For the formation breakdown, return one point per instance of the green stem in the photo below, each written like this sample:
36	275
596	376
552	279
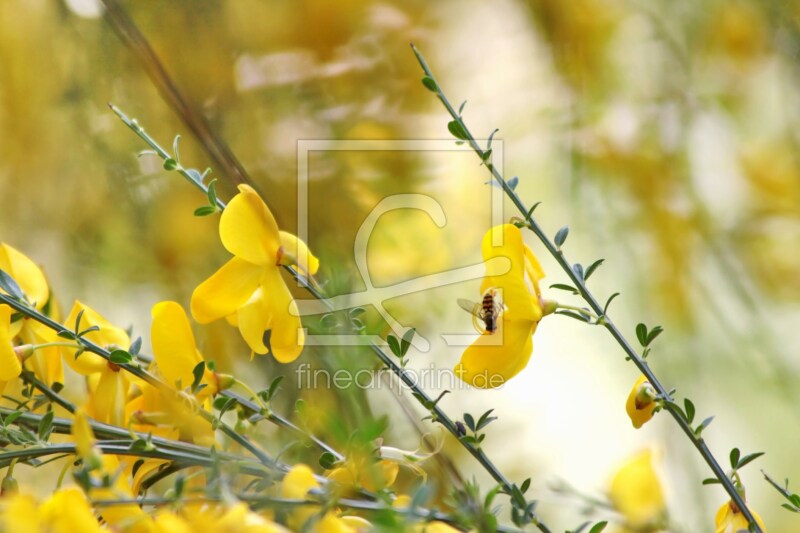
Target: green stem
315	290
590	299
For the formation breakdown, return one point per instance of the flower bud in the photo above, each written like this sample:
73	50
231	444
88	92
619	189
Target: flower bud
9	486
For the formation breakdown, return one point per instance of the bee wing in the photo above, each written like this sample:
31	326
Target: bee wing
469	306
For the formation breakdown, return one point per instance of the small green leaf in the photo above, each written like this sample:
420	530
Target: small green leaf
327	461
561	236
689	410
198	372
734	457
170	164
513	182
749	458
194	174
461	107
429	84
405	342
212	192
10	286
469	421
491	138
394	345
608	302
531	210
205	210
120	357
273	387
564	287
45	425
641	333
525	486
703	425
591	268
486	155
711	481
357	311
457	130
651	336
577	268
571	314
136	346
175	148
598	527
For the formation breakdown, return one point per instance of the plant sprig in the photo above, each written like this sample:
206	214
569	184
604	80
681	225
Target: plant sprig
555	248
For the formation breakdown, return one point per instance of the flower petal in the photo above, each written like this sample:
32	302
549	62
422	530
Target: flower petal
107	336
225	291
10	367
636	492
638	415
107	400
248	229
26	273
495	358
253	319
287	337
173	344
296	252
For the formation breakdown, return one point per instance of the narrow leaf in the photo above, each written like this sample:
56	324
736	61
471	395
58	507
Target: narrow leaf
749	458
608	302
10	286
641	333
429	84
455	128
561	236
598	527
734	457
689	409
394	345
120	357
590	270
175	148
204	211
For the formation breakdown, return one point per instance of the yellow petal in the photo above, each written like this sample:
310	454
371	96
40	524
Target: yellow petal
82	434
286	337
495	358
10	366
109	397
295	486
26	273
505	241
296	252
729	521
173	344
253	319
67	510
248	230
225	291
20	513
643	413
636	492
107	336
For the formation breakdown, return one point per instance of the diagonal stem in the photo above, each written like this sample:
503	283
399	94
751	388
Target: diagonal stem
697	441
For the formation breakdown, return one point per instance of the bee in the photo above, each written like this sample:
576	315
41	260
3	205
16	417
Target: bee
487	311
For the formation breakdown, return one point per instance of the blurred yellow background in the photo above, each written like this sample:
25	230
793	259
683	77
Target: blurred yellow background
664	134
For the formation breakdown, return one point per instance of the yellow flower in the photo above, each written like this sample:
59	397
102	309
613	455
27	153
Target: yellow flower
403	501
249	289
640	403
296	485
365	473
10	366
495	357
175	350
65	511
103	467
45	362
28	276
108	385
730	519
637	494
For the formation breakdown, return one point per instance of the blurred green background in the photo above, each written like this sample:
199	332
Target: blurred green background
663	134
